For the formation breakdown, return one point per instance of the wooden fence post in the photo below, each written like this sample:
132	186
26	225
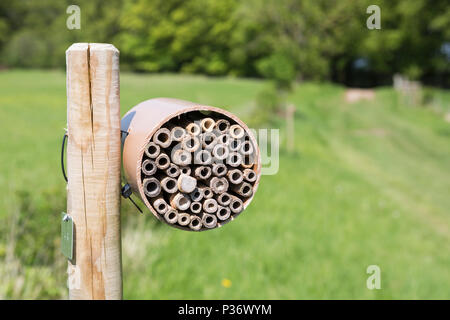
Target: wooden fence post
93	170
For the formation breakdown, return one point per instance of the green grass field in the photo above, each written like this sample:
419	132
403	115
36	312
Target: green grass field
368	184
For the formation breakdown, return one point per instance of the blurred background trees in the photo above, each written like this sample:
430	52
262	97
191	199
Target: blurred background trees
283	40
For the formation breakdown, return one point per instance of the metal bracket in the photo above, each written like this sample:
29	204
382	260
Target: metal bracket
126	193
67	235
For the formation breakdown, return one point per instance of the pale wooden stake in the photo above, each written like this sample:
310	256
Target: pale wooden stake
290	131
93	170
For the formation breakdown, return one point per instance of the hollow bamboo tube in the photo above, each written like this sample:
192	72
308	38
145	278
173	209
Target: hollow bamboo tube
152	187
195	223
149	167
160	205
246	148
162	137
236	205
196	194
202	172
235	176
171	216
207	192
244	189
207	124
224	199
93	170
209	220
210	205
208	140
217	185
223	213
185	170
177	133
202	157
220	152
236	131
180	201
181	157
184	219
193	129
234	159
250	175
235	145
168	184
173	171
152	150
190	143
222	125
196	207
219	169
162	161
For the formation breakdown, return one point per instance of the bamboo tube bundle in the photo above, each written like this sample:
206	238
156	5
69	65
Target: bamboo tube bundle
195	167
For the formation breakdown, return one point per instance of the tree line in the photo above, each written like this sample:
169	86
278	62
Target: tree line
284	40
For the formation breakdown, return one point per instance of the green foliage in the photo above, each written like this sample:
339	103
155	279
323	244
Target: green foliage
26	50
282	40
31	217
268	104
188	36
411	37
278	68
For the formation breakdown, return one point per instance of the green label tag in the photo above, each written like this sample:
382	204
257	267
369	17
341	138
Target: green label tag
67	235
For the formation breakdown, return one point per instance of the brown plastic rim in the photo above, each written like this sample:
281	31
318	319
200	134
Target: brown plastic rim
144	119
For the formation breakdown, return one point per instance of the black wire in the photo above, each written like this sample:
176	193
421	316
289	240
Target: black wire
135	204
62	156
